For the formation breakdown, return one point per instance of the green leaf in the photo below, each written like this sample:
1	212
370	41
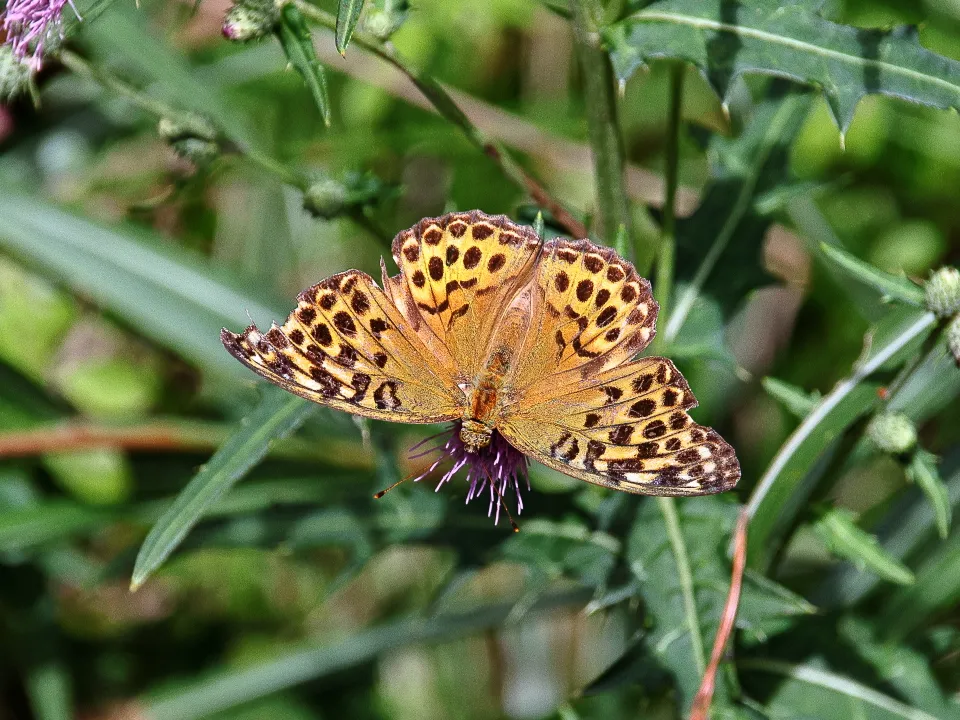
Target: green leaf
839	685
677	552
923	471
226	689
297	44
744	167
277	415
783	488
552	549
906	531
25	527
931	386
796	400
348	13
838	530
166	293
767	608
786	40
936	589
891	286
903	668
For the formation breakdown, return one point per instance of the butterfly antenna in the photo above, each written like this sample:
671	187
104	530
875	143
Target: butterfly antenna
398	482
503	504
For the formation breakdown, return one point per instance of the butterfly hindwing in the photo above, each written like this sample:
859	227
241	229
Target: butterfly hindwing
458	274
626	428
592	311
345	346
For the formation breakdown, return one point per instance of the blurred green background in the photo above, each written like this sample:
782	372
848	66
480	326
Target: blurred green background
298	596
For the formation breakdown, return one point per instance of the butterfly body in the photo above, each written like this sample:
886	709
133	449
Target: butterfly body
488	326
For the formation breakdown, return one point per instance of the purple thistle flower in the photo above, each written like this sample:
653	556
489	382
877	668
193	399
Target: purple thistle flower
29	25
497	468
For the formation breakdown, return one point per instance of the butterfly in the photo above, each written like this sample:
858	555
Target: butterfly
529	347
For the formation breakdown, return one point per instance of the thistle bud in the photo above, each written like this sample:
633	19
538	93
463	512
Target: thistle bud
325	198
893	433
15	74
250	20
385	18
191	136
943	292
953	339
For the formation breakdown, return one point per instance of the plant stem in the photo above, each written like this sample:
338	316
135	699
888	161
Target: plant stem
668	236
449	109
668	508
613	206
161	109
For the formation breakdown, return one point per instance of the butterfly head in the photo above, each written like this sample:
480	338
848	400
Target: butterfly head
475	435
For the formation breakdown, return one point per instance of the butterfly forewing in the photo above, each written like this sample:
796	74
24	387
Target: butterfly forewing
346	346
626	428
458	274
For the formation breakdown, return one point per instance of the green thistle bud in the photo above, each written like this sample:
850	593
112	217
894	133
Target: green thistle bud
326	198
894	433
383	22
953	339
943	292
250	20
192	137
15	75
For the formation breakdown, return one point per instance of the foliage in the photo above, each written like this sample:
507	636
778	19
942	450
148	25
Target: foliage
168	183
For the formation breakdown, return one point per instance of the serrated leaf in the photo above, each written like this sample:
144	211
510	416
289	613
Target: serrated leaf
766	607
786	483
796	400
725	227
348	13
668	549
297	44
890	285
837	529
923	471
552	549
788	40
909	527
278	414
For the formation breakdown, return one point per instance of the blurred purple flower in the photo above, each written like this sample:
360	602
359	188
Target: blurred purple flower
496	468
29	24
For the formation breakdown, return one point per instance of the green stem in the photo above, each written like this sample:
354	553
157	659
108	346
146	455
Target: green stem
448	108
613	206
668	238
668	508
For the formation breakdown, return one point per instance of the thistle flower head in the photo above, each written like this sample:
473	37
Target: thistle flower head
495	469
31	25
15	74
